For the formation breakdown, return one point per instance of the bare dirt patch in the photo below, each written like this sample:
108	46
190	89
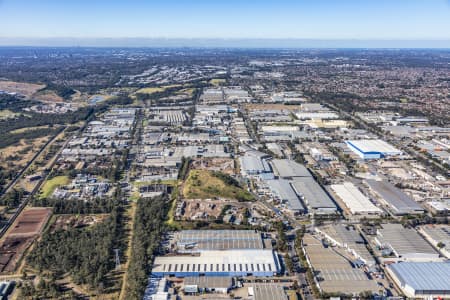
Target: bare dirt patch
27	227
23	88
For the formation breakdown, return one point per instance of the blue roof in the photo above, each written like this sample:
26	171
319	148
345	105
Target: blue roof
423	275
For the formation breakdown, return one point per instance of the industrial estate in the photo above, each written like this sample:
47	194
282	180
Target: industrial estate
224	174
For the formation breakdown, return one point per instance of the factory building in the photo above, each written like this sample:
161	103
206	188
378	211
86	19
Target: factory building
235	263
372	149
438	236
422	280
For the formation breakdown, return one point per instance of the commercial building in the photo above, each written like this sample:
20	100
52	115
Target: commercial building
356	202
314	197
372	149
423	280
219	263
405	243
397	202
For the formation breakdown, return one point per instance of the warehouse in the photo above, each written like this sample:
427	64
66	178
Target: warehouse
397	201
333	272
372	149
312	194
354	200
253	165
438	236
349	238
405	243
285	168
282	190
425	280
202	240
219	263
203	284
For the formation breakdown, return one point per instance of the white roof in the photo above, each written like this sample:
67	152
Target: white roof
375	145
259	260
354	199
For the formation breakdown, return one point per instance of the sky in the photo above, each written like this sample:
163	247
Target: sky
227	19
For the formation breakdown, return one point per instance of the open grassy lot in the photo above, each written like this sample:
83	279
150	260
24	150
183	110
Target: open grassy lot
217	81
51	184
152	90
201	184
6	114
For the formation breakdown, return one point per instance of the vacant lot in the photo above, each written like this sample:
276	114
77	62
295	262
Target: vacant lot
26	89
202	184
48	96
224	165
27	227
50	185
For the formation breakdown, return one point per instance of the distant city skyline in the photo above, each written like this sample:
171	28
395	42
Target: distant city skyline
25	22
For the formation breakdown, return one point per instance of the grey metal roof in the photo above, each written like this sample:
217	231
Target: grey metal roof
423	276
285	192
398	200
220	239
313	194
289	168
404	241
209	281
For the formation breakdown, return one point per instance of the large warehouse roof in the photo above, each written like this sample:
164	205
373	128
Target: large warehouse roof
423	277
253	165
313	194
405	242
285	192
377	146
399	202
356	202
219	239
219	263
289	168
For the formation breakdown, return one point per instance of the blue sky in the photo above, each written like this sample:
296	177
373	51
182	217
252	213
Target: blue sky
315	19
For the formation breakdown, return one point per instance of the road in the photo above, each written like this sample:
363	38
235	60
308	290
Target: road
27	198
24	169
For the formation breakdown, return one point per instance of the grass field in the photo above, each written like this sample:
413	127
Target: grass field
50	185
26	89
217	81
6	114
202	184
152	90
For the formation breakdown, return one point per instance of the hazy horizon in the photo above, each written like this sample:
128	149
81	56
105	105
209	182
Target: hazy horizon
292	43
295	23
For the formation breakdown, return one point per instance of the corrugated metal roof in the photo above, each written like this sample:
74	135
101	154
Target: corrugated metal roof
398	200
314	195
427	276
